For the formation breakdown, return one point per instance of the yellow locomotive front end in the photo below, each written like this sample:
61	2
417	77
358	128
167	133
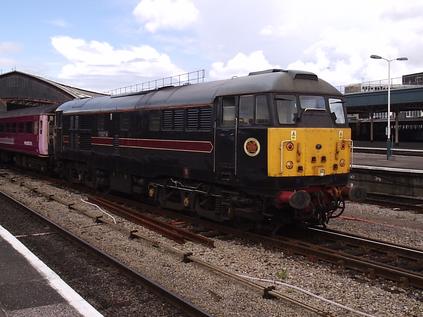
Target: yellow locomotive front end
295	152
310	157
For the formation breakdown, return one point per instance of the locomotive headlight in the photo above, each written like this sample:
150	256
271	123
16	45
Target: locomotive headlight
289	165
343	145
342	163
290	146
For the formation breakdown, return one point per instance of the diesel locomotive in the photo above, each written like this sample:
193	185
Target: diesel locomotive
273	146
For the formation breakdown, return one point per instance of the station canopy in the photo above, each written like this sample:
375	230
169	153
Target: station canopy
19	90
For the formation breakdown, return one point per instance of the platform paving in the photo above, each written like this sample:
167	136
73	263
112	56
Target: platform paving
27	290
411	163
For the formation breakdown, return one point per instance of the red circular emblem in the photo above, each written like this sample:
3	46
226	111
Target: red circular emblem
251	147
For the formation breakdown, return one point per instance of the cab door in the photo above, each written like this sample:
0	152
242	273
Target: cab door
226	139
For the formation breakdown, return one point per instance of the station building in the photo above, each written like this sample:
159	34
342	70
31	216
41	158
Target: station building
20	90
367	105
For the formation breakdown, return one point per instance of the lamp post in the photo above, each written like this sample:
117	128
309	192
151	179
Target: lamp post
388	140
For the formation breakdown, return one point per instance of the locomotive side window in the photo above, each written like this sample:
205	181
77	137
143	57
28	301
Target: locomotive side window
262	110
336	107
286	107
154	121
124	121
246	110
228	111
100	118
312	102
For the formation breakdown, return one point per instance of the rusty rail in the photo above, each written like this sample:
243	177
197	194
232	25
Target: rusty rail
175	233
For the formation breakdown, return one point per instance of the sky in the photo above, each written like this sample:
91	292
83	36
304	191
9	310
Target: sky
102	45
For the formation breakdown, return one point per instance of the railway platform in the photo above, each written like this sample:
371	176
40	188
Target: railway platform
29	288
402	175
398	163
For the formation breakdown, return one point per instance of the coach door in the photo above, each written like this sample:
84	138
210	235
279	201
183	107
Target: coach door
225	142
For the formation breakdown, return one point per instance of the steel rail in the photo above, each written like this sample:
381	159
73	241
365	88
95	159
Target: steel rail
371	243
159	226
372	268
187	257
186	306
312	250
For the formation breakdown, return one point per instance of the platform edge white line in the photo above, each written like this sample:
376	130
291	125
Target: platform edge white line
388	169
67	292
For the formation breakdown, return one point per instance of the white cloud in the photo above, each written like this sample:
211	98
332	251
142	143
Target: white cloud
96	58
166	14
240	65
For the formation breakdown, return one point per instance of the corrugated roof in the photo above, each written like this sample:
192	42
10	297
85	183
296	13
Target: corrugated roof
72	91
30	111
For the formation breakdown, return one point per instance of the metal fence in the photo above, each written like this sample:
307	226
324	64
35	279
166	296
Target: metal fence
194	77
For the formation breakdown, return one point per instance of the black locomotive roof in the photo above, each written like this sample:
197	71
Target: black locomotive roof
29	111
284	81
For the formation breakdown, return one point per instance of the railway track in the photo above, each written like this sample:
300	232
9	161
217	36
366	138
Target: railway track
374	258
406	202
186	257
179	304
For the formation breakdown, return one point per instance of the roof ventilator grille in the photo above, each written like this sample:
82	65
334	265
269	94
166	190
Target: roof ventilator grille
306	76
267	71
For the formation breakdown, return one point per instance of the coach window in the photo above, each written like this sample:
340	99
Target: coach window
336	107
28	127
262	110
13	127
228	112
286	107
246	110
35	126
21	127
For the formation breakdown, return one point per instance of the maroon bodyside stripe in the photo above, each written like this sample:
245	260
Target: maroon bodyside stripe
102	141
157	144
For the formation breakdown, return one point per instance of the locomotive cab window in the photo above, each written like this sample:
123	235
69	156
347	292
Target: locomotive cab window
286	108
262	110
336	107
246	110
253	110
228	111
312	102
